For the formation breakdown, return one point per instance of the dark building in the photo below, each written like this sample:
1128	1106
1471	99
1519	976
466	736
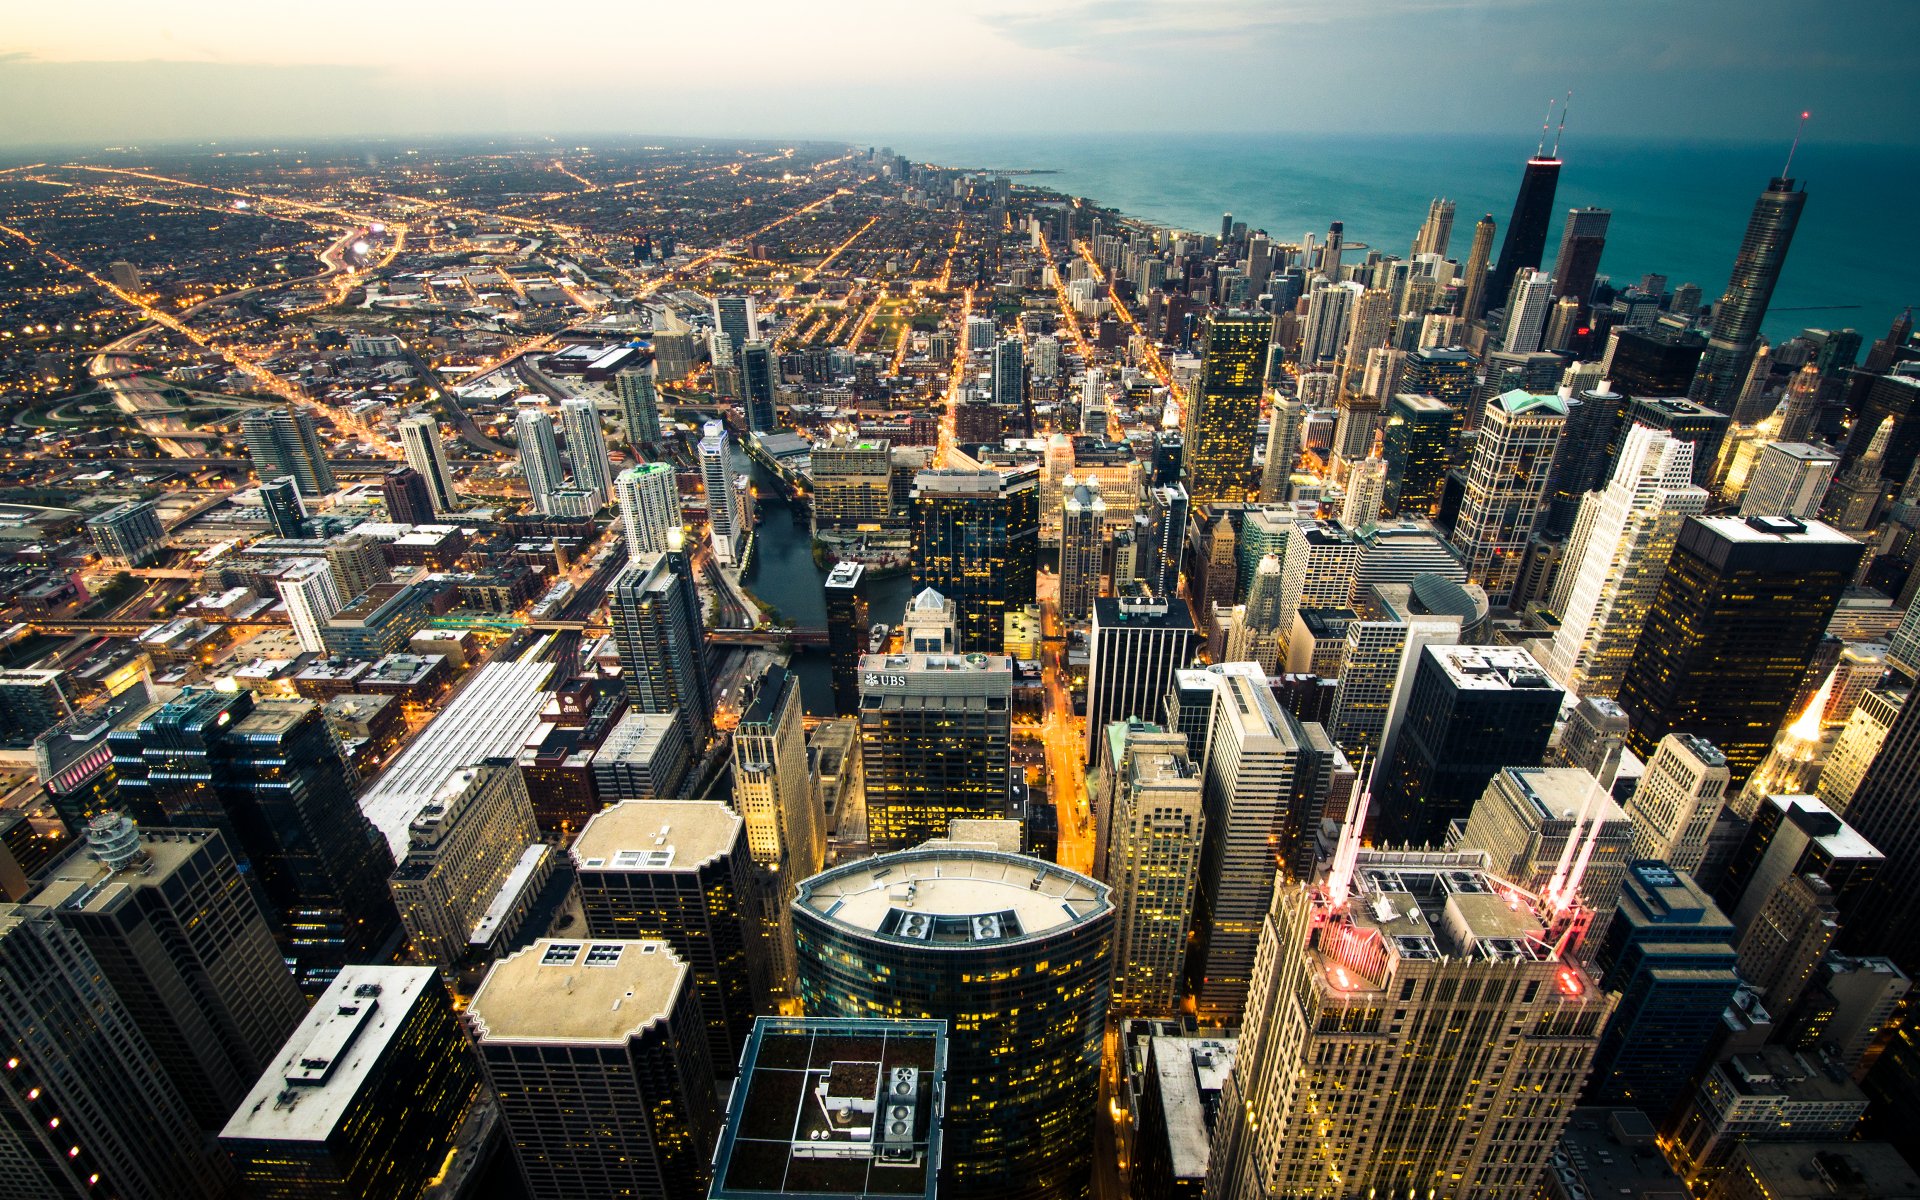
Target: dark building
1668	954
1138	642
1655	361
1888	398
1224	415
1471	711
976	535
757	374
286	515
1526	238
409	502
1685	420
1168	454
1883	811
1743	308
1593	421
847	629
1727	641
1444	373
1582	240
1168	510
270	776
655	614
1418	449
284	442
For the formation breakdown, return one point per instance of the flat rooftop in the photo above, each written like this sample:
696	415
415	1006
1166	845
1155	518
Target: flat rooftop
834	1108
600	992
309	1085
656	835
1185	1068
82	883
986	896
1490	668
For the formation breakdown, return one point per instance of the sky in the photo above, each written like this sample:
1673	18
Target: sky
120	72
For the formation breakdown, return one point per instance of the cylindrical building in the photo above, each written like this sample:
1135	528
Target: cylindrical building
1011	951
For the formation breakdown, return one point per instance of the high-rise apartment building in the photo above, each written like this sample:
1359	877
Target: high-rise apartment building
1678	802
736	317
461	849
759	372
286	515
1437	230
1731	632
408	499
420	441
311	595
128	534
358	564
540	462
1136	645
639	403
679	871
367	1098
1532	298
587	448
1743	308
650	516
1153	863
936	730
1016	954
592	1050
1507	487
1616	560
728	521
1083	545
1473	300
283	442
1168	506
655	613
1225	411
975	538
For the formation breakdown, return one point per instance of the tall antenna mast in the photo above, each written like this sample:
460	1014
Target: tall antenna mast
1540	151
1786	172
1563	125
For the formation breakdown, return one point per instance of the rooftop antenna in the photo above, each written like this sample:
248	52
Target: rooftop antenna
1786	172
1563	125
1347	851
1540	151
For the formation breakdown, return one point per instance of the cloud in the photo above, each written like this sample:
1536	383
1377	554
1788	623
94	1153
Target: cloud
1097	27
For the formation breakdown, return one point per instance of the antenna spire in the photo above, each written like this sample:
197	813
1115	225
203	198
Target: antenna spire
1786	172
1563	124
1540	151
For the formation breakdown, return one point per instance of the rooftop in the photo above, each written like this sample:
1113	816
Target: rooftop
1613	1152
1186	1068
656	835
83	883
600	992
1490	668
989	896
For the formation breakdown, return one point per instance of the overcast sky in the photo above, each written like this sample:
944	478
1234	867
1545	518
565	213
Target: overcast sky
110	72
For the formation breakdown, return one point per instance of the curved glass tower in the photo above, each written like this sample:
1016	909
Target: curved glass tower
1013	953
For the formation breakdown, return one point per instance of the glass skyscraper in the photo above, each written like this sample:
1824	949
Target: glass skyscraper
1224	414
975	537
1737	318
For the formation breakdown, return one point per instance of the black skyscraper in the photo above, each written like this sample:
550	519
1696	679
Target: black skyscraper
1526	239
1737	318
408	500
846	632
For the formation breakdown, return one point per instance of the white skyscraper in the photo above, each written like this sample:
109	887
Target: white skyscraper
420	440
720	474
539	457
1366	492
1789	479
1527	316
587	447
1678	801
1616	559
1329	313
311	597
649	507
1283	448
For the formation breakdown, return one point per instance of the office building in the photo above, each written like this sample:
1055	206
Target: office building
32	701
1437	230
1789	841
1743	308
1423	953
852	483
587	448
1225	411
408	499
848	623
1268	778
1526	239
366	1099
1532	821
655	614
1668	955
89	1108
1168	505
758	375
1418	447
728	520
182	941
379	621
1741	1102
1082	546
835	1108
1858	746
1174	1109
284	442
540	460
773	792
650	516
1471	710
1376	671
1789	479
286	515
1479	255
1582	240
975	537
1690	422
1609	1152
461	848
936	730
1506	487
311	596
1678	803
1136	645
679	871
644	756
420	441
1009	374
1532	298
1285	430
1366	494
1152	852
1731	632
1015	954
1616	559
127	534
736	317
1582	466
269	775
592	1050
1815	1170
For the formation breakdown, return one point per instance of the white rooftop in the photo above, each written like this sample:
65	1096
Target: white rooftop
955	882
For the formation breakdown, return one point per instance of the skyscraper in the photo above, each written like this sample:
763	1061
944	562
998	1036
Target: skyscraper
976	534
1437	230
758	370
1418	450
1731	632
1532	296
1016	954
270	776
1743	308
1329	316
286	515
283	442
308	590
1474	299
1678	802
408	498
1168	507
1153	862
358	563
655	613
786	832
89	1108
1582	239
639	404
1526	238
587	448
461	851
539	458
1789	479
735	317
1284	434
1225	410
129	534
594	1055
936	729
1616	559
650	516
847	630
1136	645
1506	487
727	519
1366	494
420	440
1009	374
1082	546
